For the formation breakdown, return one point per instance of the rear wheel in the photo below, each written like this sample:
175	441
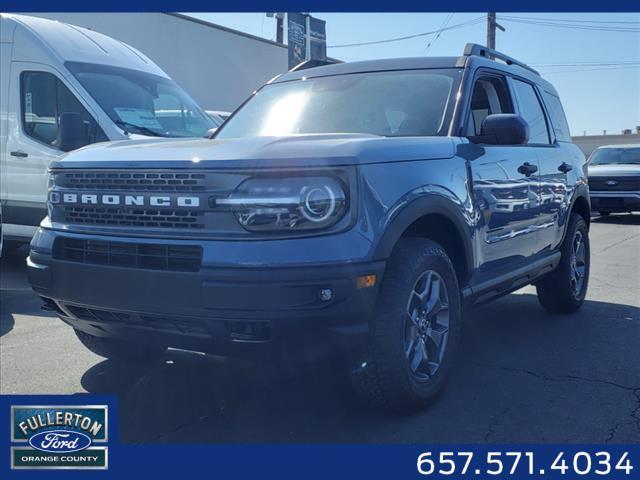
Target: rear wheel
119	350
564	290
415	331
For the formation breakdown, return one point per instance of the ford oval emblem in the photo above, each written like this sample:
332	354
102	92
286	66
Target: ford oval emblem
612	183
60	441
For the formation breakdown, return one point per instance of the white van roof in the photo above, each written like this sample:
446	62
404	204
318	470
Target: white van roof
44	38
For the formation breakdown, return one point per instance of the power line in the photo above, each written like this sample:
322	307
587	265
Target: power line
586	64
444	24
571	20
408	37
559	24
594	69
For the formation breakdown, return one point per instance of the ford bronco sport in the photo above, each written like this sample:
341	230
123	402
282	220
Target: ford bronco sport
367	203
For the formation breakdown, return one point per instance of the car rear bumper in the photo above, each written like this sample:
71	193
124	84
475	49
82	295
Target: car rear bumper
224	310
612	201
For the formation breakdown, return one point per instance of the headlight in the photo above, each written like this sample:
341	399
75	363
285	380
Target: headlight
295	203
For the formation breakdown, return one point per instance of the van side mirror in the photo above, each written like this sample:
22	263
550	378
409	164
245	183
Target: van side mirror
503	129
72	132
211	132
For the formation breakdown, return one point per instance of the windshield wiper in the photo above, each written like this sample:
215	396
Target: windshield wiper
126	126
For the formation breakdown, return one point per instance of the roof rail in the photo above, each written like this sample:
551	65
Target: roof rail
314	63
482	51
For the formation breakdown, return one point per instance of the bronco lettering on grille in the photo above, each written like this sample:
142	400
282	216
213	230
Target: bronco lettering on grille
128	200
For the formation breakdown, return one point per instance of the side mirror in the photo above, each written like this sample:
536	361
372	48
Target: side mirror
211	132
72	132
504	129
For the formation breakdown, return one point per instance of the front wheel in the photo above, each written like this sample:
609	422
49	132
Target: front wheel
415	331
564	290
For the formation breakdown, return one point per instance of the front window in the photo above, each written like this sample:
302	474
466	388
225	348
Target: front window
398	103
143	103
615	156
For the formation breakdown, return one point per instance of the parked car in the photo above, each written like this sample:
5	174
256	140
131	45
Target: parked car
63	87
218	116
355	203
614	179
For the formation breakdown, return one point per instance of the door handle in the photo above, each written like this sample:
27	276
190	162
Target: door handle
527	169
19	154
565	167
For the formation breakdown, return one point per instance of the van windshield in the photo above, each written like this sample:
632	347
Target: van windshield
140	102
391	104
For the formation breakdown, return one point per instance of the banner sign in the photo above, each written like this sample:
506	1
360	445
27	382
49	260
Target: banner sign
297	38
307	38
318	39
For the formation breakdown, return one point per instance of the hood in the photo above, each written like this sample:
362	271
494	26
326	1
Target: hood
258	152
613	170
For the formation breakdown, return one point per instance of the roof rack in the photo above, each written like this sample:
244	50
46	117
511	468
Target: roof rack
473	49
314	63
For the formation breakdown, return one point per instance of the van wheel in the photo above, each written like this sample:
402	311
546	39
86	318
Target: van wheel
415	331
119	350
564	289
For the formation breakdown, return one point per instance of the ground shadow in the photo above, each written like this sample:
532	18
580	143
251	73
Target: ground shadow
509	349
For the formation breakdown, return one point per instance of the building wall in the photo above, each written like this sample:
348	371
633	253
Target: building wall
217	66
589	143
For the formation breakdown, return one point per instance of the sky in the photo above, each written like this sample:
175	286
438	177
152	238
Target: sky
604	96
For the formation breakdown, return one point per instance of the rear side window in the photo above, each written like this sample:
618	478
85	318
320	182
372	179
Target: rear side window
558	119
532	112
44	99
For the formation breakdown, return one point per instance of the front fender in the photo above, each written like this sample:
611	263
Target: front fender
409	210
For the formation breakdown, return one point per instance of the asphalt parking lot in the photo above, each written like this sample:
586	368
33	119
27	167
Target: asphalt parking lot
523	375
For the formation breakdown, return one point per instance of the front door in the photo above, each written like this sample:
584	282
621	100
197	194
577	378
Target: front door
37	98
505	184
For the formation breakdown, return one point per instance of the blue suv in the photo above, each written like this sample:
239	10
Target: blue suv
364	205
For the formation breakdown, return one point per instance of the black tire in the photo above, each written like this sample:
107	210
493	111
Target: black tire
119	350
386	379
604	214
557	292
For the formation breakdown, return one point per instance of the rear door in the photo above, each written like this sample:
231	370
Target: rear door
552	160
505	182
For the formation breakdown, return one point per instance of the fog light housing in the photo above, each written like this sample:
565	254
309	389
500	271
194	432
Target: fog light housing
367	281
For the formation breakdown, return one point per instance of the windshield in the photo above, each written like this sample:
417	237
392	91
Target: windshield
611	156
397	103
140	102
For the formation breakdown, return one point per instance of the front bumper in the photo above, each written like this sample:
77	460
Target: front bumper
218	309
613	201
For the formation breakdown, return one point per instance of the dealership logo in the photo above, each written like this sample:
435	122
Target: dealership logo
58	198
53	437
612	183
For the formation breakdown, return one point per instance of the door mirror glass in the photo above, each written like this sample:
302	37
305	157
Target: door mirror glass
503	129
72	132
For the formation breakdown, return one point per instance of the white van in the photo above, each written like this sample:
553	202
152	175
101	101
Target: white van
63	87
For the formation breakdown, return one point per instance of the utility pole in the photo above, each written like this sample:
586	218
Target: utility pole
492	24
279	16
280	27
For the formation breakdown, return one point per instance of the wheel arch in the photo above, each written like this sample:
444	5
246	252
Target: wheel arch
439	219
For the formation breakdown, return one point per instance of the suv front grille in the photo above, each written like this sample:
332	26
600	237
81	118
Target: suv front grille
623	183
177	258
163	182
135	217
